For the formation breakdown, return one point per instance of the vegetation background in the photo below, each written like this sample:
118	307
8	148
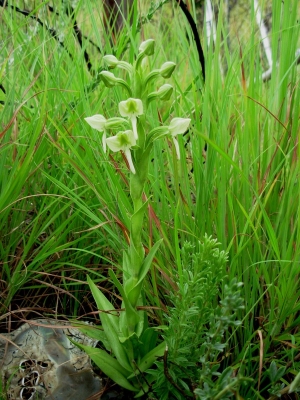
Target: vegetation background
64	206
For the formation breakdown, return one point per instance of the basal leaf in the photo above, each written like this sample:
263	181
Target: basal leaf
109	365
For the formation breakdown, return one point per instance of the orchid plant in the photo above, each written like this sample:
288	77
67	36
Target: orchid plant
128	337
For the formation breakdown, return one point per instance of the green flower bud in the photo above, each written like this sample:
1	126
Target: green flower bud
108	79
165	92
111	61
147	47
115	122
166	70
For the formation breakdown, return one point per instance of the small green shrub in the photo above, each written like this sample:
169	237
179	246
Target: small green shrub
202	313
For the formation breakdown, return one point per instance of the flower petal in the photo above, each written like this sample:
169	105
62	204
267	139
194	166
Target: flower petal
113	143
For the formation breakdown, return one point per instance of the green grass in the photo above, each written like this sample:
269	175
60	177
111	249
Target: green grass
64	207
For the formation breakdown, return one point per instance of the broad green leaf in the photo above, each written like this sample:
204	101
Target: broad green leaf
137	222
147	262
148	360
109	365
148	341
104	304
295	385
273	371
94	332
110	325
126	266
132	317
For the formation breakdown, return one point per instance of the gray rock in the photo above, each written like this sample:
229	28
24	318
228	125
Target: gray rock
38	361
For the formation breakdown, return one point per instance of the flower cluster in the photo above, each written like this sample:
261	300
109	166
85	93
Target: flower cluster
131	109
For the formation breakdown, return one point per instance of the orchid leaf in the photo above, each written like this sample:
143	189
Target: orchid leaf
147	264
148	341
94	332
132	317
148	360
109	365
104	304
137	220
110	324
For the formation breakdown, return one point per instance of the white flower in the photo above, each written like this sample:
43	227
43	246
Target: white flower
98	122
131	108
177	127
123	141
